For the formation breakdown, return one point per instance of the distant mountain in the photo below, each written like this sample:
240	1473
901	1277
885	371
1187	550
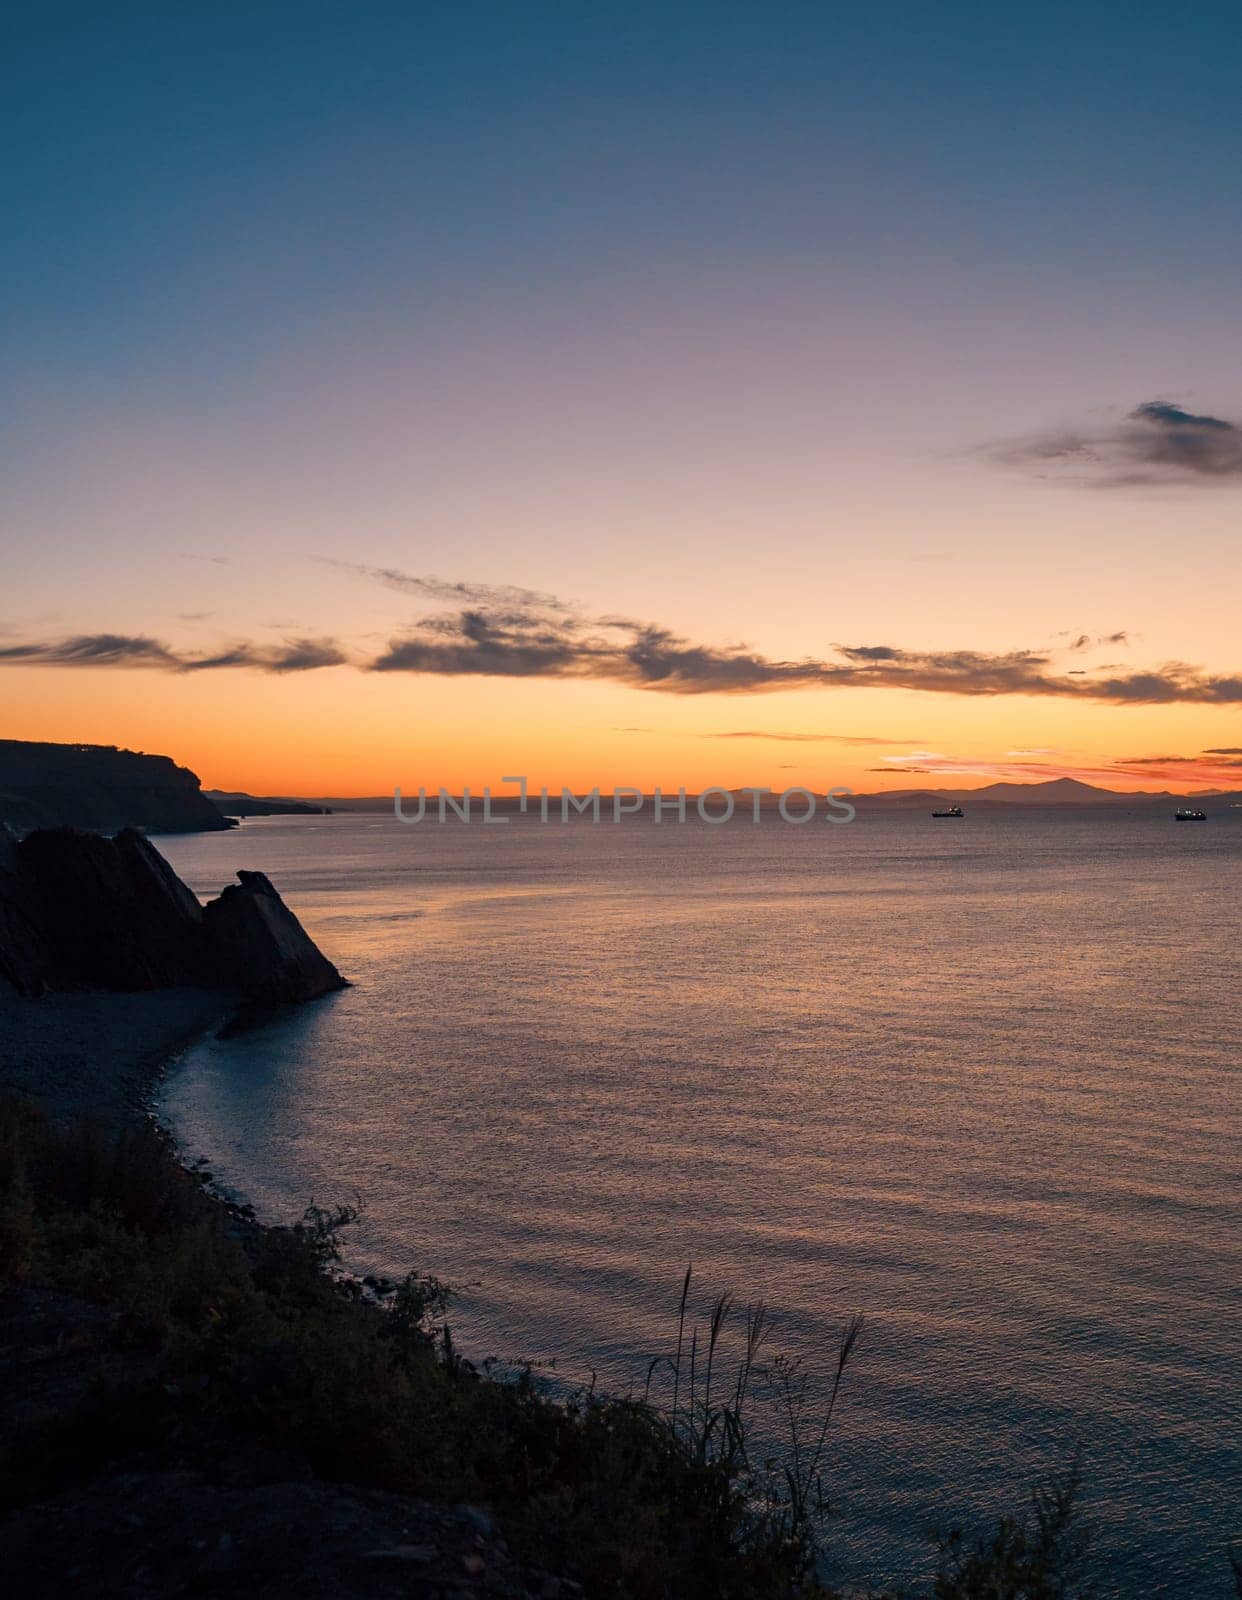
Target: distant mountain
99	788
1055	792
1058	792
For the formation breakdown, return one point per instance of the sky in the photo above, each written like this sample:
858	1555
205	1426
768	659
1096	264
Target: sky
634	394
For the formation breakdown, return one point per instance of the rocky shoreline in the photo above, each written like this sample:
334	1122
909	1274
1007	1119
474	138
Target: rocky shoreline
208	1517
228	1521
101	1056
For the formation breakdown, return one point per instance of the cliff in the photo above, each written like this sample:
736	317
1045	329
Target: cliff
100	788
81	911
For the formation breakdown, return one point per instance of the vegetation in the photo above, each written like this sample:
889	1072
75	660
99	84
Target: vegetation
229	1334
221	1335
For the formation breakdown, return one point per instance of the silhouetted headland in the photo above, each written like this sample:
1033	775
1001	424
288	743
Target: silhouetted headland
101	788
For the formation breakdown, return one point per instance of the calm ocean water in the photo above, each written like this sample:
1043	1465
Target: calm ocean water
976	1080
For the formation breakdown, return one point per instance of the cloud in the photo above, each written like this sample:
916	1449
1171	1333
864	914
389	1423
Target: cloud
1088	641
137	650
501	642
94	650
1182	770
1156	443
299	655
512	636
1227	762
454	592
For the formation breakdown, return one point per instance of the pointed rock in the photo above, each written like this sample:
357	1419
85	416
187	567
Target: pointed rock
257	945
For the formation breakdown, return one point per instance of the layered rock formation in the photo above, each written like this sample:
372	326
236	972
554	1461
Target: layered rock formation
101	788
80	911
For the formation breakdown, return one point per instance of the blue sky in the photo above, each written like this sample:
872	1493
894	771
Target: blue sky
713	316
241	167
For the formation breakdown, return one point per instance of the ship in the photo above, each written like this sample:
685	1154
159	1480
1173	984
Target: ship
1190	816
953	811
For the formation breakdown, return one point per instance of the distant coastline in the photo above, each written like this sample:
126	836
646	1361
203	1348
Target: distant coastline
102	789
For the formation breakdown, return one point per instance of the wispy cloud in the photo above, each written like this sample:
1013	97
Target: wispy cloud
453	591
1156	443
1197	771
1089	641
137	650
93	650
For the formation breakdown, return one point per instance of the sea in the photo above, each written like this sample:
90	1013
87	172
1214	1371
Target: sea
974	1080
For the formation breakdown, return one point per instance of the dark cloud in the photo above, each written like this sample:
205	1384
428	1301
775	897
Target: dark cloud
136	650
1156	443
522	644
94	650
513	636
300	655
870	652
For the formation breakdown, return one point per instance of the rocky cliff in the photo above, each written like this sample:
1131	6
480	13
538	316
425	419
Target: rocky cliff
81	911
251	931
100	788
